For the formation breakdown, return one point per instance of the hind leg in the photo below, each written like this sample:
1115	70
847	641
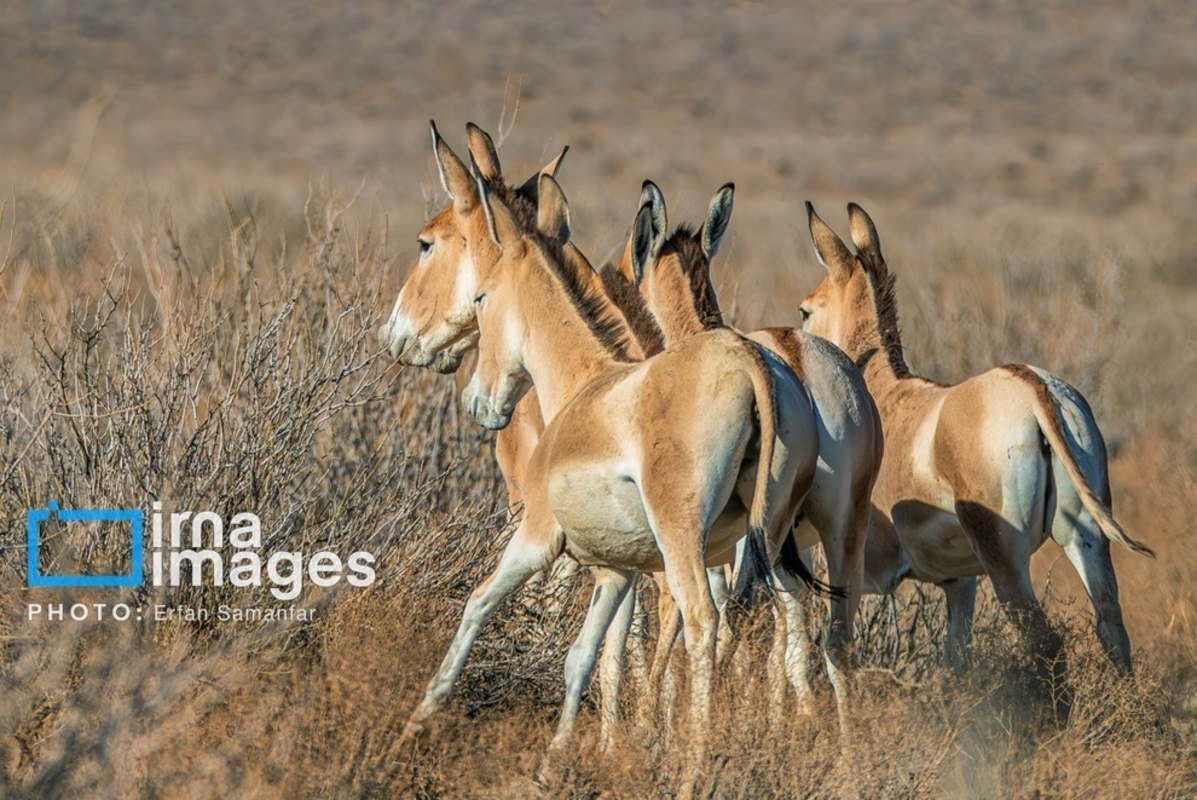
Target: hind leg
961	600
798	663
1004	552
844	550
533	546
1089	553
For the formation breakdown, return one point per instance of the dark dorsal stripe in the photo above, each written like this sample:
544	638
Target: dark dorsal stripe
627	298
885	304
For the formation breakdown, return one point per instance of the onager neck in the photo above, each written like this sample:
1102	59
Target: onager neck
684	304
572	333
875	343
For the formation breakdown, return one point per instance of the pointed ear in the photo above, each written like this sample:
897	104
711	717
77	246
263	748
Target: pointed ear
482	150
499	222
552	210
829	248
644	245
718	218
651	194
864	236
454	177
529	188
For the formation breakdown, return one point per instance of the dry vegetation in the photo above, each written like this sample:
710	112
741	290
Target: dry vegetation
188	302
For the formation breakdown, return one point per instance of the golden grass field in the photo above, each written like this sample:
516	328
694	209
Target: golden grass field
210	208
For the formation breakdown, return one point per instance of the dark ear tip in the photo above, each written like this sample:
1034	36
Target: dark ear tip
728	187
853	208
810	210
471	127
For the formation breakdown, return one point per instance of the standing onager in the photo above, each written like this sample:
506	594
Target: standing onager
668	276
640	470
451	243
977	475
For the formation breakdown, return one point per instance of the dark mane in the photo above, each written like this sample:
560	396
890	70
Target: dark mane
885	303
627	298
610	329
685	243
522	207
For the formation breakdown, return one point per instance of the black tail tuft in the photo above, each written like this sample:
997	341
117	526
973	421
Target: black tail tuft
792	563
754	579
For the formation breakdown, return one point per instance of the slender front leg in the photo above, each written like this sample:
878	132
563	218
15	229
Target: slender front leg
531	549
610	590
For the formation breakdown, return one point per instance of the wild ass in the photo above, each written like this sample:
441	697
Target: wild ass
977	475
639	472
445	253
663	286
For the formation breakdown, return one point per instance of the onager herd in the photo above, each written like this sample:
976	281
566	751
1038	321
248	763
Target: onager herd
641	434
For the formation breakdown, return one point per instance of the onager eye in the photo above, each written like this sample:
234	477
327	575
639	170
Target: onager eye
425	247
806	312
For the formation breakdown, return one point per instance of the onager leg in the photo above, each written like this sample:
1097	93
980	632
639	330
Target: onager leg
1003	552
687	580
611	669
798	664
844	551
1089	553
534	545
960	596
610	590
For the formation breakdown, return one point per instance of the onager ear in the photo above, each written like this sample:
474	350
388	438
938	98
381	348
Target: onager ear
864	236
552	210
530	189
482	150
829	248
645	244
499	222
454	177
650	193
718	218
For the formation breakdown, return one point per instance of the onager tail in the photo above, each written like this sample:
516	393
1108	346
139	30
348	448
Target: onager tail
1048	416
758	514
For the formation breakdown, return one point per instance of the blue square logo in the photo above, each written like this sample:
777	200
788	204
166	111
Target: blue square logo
133	516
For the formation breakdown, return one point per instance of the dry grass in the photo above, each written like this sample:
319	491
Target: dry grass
188	302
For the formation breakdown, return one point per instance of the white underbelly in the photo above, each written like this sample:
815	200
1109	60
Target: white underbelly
605	522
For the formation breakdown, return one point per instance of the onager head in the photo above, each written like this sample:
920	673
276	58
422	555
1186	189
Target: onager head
432	324
501	303
855	306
